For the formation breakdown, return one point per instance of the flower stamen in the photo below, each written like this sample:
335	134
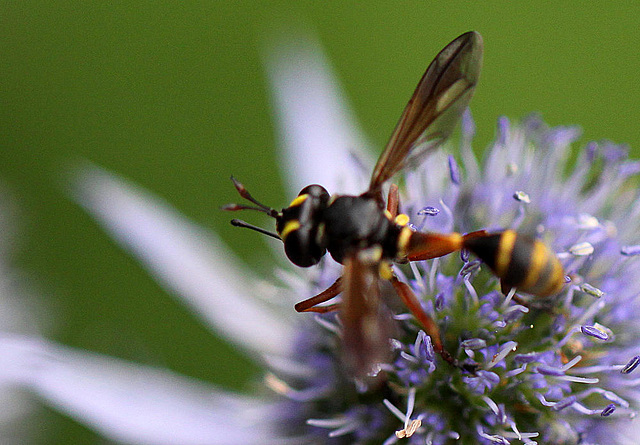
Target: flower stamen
631	365
504	350
410	429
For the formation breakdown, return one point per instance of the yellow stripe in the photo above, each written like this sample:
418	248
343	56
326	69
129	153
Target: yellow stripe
299	200
385	271
289	227
556	280
455	240
402	219
538	260
507	240
403	241
320	233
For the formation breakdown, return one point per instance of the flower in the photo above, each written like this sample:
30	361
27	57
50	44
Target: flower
560	370
21	312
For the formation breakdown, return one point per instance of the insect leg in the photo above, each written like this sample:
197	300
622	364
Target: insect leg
324	309
309	305
409	298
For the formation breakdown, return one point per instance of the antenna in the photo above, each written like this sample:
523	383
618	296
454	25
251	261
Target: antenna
246	195
240	223
258	206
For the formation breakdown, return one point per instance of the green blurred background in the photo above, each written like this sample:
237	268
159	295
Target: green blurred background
172	95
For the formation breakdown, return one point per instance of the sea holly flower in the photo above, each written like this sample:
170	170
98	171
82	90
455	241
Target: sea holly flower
21	312
559	370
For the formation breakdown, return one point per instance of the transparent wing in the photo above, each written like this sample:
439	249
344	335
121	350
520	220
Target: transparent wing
433	111
367	322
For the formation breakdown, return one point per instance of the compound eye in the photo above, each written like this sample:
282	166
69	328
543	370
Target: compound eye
301	248
315	191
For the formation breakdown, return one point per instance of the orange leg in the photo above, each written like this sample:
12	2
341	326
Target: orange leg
393	201
431	328
309	304
324	309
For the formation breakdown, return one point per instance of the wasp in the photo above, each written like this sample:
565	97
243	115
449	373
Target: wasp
366	235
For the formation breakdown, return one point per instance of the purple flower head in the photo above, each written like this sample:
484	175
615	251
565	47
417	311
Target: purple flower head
556	370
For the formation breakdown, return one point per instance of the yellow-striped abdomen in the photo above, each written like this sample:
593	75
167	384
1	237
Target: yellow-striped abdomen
519	261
